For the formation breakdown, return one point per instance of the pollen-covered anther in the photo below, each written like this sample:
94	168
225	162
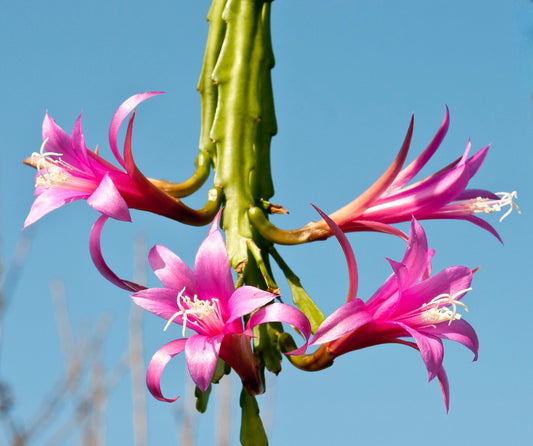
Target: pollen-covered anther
48	167
440	311
197	308
488	206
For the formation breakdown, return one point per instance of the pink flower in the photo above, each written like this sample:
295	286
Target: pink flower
68	171
205	301
410	304
441	195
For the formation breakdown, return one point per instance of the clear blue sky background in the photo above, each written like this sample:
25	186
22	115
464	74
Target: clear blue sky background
348	76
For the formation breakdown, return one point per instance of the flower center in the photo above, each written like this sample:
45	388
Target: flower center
196	312
489	206
50	172
439	310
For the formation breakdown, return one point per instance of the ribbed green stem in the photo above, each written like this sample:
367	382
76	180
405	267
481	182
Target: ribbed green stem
244	121
206	84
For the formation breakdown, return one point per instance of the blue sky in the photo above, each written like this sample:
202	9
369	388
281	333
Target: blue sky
348	76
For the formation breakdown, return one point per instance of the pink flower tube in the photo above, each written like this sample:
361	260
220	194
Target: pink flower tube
411	303
441	195
68	171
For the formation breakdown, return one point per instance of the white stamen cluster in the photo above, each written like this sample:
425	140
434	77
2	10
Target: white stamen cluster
440	311
49	171
489	206
193	307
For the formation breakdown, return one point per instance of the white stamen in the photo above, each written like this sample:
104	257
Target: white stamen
489	206
193	307
439	311
49	171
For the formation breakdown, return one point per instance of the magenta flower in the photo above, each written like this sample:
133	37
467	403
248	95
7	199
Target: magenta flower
68	171
442	195
410	304
205	301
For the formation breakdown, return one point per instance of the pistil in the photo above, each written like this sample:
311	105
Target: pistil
195	308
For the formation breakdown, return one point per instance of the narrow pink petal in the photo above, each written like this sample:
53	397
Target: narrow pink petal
420	161
201	353
346	319
79	149
160	301
475	161
385	301
98	260
247	299
472	219
58	139
459	331
374	226
282	313
470	194
107	199
420	200
212	270
124	110
445	387
171	270
448	281
348	254
389	287
357	206
50	200
441	375
431	349
416	253
158	362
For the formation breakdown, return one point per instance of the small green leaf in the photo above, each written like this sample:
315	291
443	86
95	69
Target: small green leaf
202	398
305	304
299	295
252	430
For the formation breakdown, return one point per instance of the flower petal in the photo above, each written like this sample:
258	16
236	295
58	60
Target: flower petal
459	331
79	149
357	206
416	253
159	301
282	313
346	319
472	219
212	270
445	387
420	200
158	362
431	349
124	110
171	270
420	161
58	140
348	254
448	281
247	299
384	301
107	199
50	200
98	260
476	160
201	353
